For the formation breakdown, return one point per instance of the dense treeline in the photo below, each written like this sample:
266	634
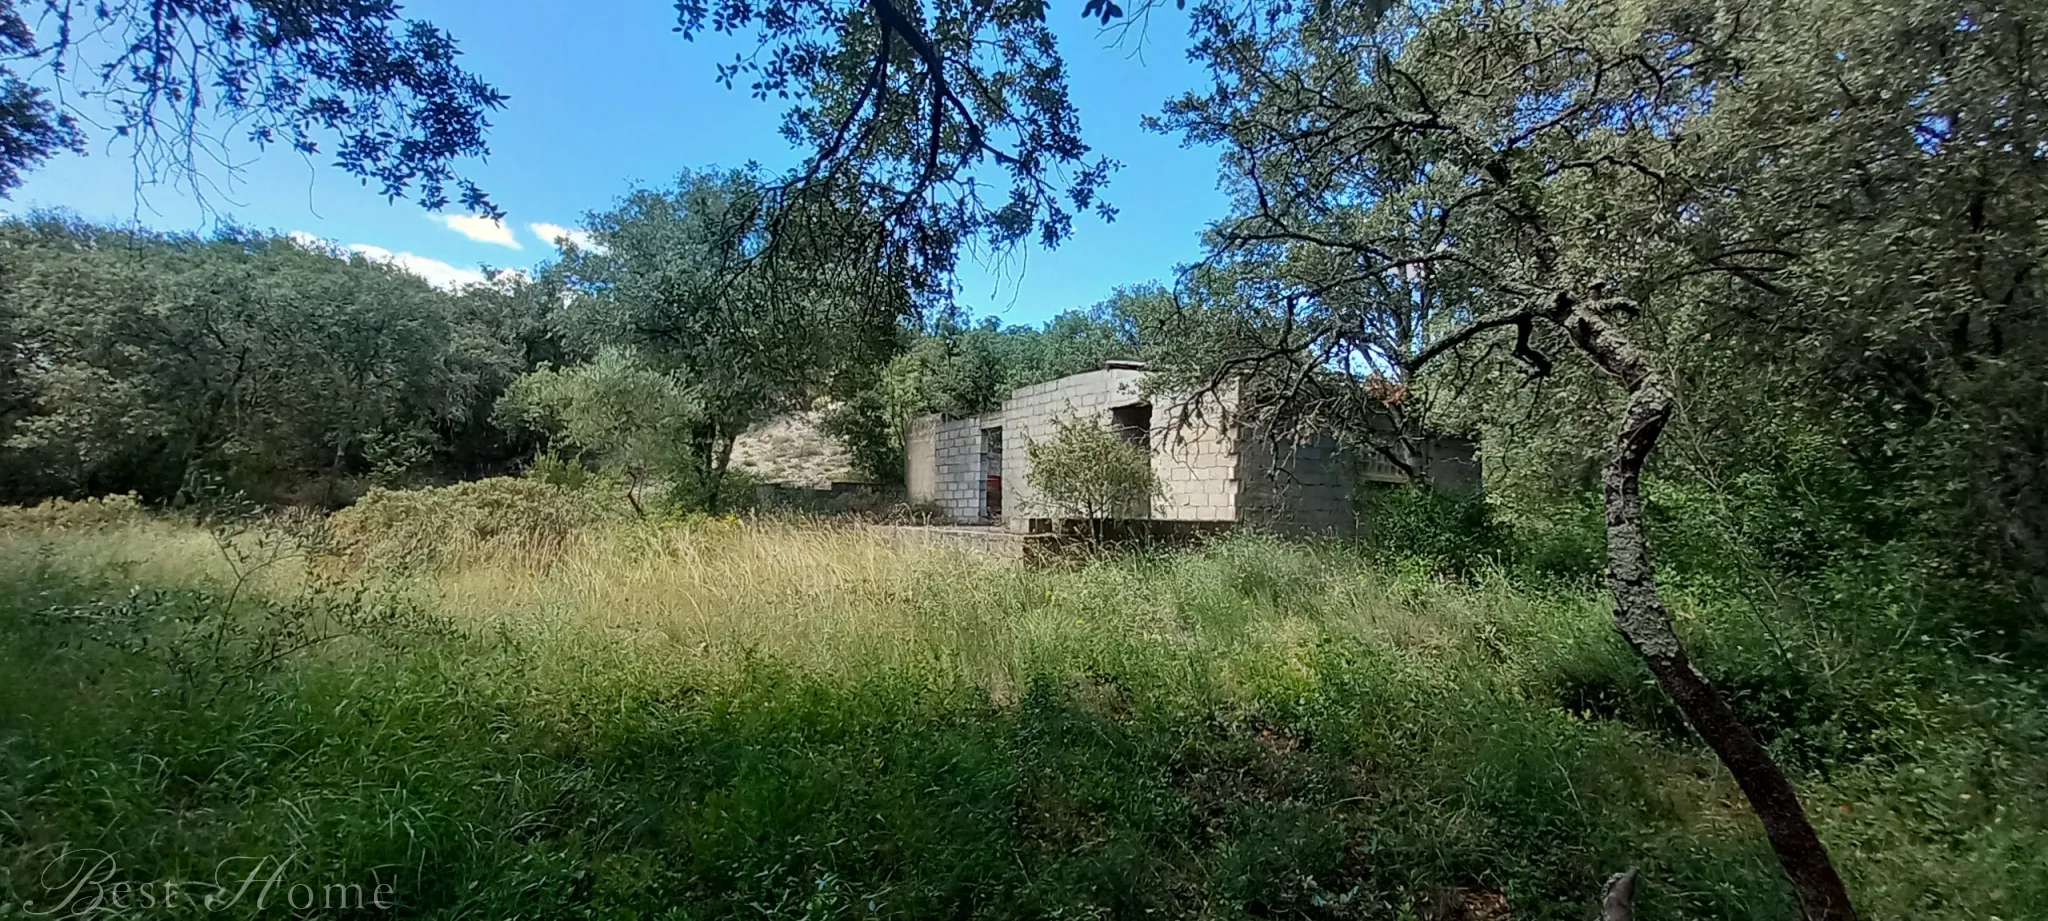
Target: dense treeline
172	366
168	365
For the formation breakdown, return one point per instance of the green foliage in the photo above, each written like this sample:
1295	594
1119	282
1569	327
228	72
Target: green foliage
967	370
1255	729
1830	257
689	492
412	529
1900	350
1087	471
631	421
968	136
151	363
673	278
1469	535
863	425
955	372
1453	533
555	469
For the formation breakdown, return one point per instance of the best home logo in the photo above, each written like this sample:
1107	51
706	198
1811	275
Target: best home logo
89	883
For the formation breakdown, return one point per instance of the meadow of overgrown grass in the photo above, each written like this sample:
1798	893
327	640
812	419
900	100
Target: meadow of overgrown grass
531	712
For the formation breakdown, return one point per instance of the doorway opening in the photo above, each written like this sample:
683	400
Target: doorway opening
992	473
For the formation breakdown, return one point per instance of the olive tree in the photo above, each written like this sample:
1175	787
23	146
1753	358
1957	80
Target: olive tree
616	413
1421	190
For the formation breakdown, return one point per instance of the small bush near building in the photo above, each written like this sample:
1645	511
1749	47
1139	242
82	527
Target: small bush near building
1087	471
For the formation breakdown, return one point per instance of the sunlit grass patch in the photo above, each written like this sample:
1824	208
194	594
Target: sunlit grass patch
708	717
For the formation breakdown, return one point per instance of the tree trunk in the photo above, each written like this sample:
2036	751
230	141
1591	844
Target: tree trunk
1618	901
634	481
1641	618
721	459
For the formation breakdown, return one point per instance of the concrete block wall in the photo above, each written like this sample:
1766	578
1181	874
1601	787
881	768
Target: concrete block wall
1211	468
961	487
1029	415
1194	453
1453	464
921	460
1297	487
1450	463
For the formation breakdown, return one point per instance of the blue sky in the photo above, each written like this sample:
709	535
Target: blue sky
609	97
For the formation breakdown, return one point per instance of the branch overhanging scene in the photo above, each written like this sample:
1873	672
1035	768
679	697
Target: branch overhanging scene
1525	459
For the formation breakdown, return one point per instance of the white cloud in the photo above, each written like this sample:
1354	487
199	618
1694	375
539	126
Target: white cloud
554	233
437	273
480	229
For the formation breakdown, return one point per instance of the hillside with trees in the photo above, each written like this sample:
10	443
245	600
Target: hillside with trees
168	366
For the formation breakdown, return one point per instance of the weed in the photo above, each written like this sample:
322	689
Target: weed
714	718
410	530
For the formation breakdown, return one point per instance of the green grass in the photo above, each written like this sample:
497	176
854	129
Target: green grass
719	719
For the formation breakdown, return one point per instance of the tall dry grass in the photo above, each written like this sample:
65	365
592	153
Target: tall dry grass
844	603
712	717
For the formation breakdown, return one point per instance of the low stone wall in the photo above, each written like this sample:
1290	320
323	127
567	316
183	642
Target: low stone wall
985	539
839	498
1128	530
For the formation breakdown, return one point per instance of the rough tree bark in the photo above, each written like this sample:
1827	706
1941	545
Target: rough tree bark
1639	612
721	461
1618	902
1642	619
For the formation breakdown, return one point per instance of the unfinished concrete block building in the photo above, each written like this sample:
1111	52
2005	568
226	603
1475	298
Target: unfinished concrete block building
1211	468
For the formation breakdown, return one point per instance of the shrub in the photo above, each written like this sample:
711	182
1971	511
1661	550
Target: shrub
690	490
421	528
632	421
1087	471
871	438
1450	532
70	514
556	469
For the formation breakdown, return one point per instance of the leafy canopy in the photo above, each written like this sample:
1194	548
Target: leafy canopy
684	280
181	84
138	361
951	118
630	420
